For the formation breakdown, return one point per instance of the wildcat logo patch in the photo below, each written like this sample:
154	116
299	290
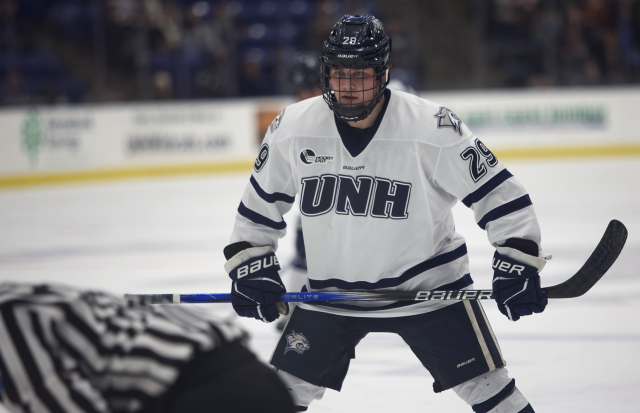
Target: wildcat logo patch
276	122
448	119
297	342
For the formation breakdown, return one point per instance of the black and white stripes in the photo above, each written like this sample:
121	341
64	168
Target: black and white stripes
62	350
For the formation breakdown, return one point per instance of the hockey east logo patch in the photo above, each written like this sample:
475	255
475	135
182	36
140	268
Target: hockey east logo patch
309	157
297	342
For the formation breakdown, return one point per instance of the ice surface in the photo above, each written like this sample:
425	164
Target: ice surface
166	236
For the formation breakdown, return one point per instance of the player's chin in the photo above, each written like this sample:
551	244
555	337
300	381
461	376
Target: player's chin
350	102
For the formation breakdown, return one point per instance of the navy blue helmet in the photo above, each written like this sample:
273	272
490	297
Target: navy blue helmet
355	42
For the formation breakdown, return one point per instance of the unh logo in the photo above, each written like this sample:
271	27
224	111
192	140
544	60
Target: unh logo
360	196
297	342
309	157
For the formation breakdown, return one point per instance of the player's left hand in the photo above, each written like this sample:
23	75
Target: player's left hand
516	283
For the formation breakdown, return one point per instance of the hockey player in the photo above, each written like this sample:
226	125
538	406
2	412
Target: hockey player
69	351
305	79
378	172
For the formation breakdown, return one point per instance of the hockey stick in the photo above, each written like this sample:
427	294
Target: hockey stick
596	266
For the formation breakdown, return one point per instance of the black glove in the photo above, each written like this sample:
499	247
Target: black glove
256	283
516	283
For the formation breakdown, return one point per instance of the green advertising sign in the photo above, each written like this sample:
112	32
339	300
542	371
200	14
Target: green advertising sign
32	136
585	116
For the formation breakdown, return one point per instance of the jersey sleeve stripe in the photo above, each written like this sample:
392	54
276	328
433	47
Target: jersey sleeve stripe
459	284
271	198
414	271
260	219
505	209
489	186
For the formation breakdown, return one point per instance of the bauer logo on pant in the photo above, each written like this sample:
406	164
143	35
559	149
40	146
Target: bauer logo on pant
297	342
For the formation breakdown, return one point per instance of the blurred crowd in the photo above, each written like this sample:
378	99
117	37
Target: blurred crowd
553	42
59	51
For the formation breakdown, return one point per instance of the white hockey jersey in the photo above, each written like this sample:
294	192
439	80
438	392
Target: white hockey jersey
379	217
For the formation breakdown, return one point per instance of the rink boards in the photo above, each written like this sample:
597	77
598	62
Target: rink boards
113	141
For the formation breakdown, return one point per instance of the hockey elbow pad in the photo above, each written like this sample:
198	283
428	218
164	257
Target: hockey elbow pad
256	283
516	283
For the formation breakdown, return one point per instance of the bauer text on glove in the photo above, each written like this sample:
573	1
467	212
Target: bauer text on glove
256	282
516	283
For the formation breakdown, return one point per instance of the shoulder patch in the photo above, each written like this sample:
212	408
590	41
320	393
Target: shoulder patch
263	156
276	121
448	119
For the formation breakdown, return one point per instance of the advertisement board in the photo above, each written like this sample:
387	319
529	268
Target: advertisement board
67	138
86	142
550	122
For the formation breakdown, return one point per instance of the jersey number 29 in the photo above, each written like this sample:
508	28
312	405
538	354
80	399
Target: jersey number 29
474	155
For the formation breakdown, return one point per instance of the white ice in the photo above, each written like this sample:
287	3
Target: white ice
166	236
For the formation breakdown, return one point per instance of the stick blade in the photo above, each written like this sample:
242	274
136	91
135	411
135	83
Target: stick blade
596	266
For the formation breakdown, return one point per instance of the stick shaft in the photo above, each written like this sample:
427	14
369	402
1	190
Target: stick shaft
596	266
337	296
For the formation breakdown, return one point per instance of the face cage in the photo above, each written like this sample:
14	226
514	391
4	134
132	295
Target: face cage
360	109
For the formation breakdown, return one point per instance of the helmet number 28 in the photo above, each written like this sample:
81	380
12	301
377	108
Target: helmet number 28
349	40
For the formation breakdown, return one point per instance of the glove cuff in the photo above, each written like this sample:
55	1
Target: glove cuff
520	257
246	255
263	266
506	267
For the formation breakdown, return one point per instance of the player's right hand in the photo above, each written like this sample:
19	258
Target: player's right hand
516	283
256	284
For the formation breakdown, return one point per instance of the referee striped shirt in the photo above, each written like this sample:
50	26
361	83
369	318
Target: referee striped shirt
65	350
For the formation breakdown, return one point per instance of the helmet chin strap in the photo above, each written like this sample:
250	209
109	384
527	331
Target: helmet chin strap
353	111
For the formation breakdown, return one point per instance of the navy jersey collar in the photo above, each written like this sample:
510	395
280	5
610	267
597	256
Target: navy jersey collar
354	145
